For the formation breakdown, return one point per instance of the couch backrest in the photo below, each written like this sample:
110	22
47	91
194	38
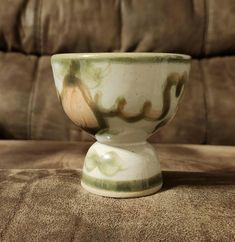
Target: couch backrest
32	30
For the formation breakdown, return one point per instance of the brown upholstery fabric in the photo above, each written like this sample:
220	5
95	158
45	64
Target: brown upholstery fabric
219	30
46	27
196	27
16	74
195	204
67	155
219	78
164	29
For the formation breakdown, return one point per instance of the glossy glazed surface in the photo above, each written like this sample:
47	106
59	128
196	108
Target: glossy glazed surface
120	97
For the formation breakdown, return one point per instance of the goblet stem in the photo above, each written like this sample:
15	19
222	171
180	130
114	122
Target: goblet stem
122	170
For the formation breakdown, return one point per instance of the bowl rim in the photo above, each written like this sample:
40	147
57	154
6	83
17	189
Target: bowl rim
122	56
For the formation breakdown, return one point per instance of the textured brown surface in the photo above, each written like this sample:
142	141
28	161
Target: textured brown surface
16	73
58	155
195	204
156	32
219	31
219	79
196	27
46	27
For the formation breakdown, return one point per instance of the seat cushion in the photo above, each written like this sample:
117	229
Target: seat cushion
41	198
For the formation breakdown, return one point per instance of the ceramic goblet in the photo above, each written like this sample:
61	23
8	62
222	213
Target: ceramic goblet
121	99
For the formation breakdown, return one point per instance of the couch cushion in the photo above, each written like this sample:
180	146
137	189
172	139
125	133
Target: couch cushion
46	27
48	203
219	80
199	28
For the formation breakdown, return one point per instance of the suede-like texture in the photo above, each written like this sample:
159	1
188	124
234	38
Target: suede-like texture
164	30
59	155
195	204
17	73
219	27
10	14
197	27
47	27
219	79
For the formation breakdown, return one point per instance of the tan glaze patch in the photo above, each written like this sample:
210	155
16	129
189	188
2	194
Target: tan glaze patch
78	104
83	111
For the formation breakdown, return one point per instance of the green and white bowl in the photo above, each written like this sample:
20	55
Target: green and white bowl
121	99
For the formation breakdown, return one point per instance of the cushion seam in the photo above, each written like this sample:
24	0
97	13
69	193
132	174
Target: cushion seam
31	102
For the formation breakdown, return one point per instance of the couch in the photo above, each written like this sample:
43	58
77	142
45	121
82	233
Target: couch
42	152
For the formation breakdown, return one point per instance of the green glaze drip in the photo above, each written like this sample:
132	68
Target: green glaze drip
178	81
107	164
71	78
92	74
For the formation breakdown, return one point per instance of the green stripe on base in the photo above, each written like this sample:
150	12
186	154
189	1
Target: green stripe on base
122	186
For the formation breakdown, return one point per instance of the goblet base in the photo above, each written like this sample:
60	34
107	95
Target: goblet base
121	170
116	194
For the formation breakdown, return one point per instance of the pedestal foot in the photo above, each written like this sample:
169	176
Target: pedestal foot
121	170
